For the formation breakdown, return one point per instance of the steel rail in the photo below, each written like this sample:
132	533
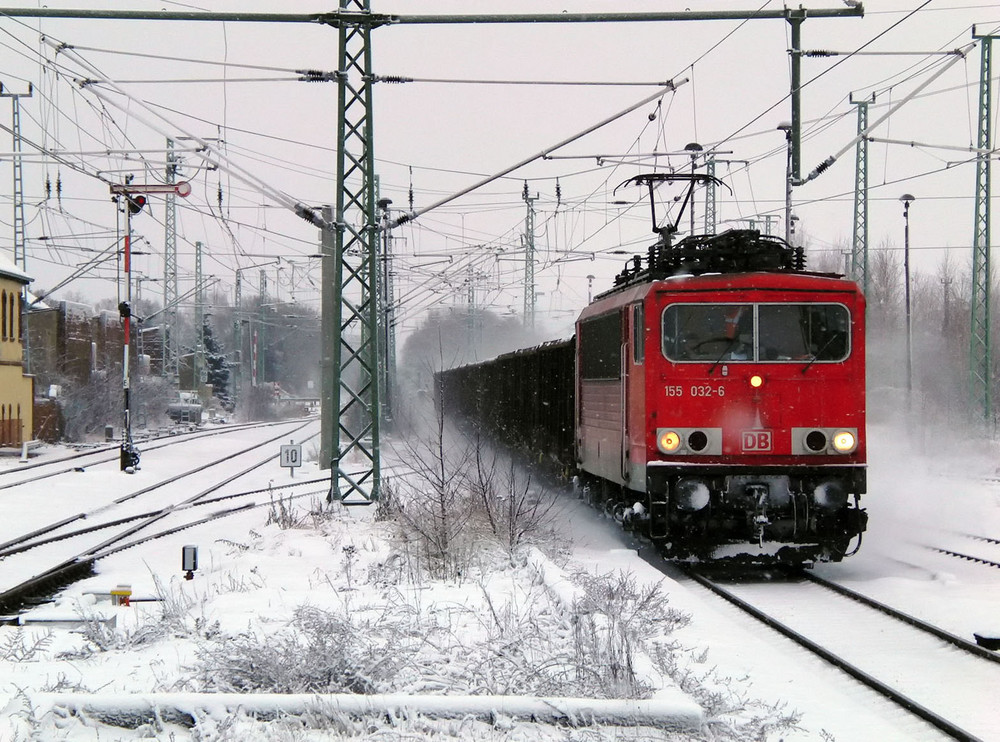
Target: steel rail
855	672
174	508
28	545
966	557
4	547
82	564
170	440
953	639
200	521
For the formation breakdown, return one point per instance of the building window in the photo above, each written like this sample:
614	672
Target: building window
3	302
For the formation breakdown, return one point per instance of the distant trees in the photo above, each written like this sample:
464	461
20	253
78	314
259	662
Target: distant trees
218	366
939	326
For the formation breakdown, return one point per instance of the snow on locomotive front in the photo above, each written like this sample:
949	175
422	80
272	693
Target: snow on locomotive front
721	400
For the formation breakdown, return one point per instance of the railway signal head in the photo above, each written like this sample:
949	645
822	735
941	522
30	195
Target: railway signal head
135	203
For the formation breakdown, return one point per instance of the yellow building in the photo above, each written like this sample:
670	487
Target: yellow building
17	390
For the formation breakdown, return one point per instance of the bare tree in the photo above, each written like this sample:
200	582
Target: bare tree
885	286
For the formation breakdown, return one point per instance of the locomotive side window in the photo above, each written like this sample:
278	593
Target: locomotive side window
638	335
756	332
601	347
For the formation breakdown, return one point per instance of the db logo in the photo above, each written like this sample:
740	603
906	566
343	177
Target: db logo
756	440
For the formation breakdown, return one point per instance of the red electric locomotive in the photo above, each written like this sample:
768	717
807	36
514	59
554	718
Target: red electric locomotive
720	400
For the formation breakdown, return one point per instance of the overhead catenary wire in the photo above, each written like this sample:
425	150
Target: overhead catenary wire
540	155
823	166
584	207
210	154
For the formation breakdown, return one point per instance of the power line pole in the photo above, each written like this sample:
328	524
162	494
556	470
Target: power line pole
238	337
329	386
387	330
20	256
980	354
711	200
170	335
198	366
15	100
261	336
355	358
529	257
859	246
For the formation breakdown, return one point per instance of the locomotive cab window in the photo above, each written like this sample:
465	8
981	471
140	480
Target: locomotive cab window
756	332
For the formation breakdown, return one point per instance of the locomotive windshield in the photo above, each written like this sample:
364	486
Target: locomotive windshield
756	332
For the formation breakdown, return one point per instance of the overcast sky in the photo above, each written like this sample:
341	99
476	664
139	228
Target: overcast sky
733	80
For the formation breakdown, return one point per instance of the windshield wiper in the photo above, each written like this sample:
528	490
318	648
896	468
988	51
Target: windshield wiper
725	350
819	353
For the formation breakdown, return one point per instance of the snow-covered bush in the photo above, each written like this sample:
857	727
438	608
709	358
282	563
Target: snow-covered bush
612	621
515	512
319	651
18	646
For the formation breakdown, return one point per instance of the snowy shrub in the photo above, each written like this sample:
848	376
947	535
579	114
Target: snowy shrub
284	514
62	684
318	652
18	647
731	714
433	512
515	513
99	633
611	623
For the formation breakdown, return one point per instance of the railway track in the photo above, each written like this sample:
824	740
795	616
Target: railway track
69	554
942	679
985	550
97	454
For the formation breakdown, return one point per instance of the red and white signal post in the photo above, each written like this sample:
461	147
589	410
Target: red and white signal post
135	200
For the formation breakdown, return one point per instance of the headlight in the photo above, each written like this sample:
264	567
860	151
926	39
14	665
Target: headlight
844	441
830	495
668	441
691	495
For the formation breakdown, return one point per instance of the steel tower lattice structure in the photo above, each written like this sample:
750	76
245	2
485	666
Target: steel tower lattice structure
238	336
169	335
355	456
859	246
20	256
529	258
198	367
711	199
980	354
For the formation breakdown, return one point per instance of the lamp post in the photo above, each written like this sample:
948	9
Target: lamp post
907	199
694	149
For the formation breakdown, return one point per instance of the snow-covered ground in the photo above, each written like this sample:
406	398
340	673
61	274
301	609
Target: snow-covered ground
285	593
